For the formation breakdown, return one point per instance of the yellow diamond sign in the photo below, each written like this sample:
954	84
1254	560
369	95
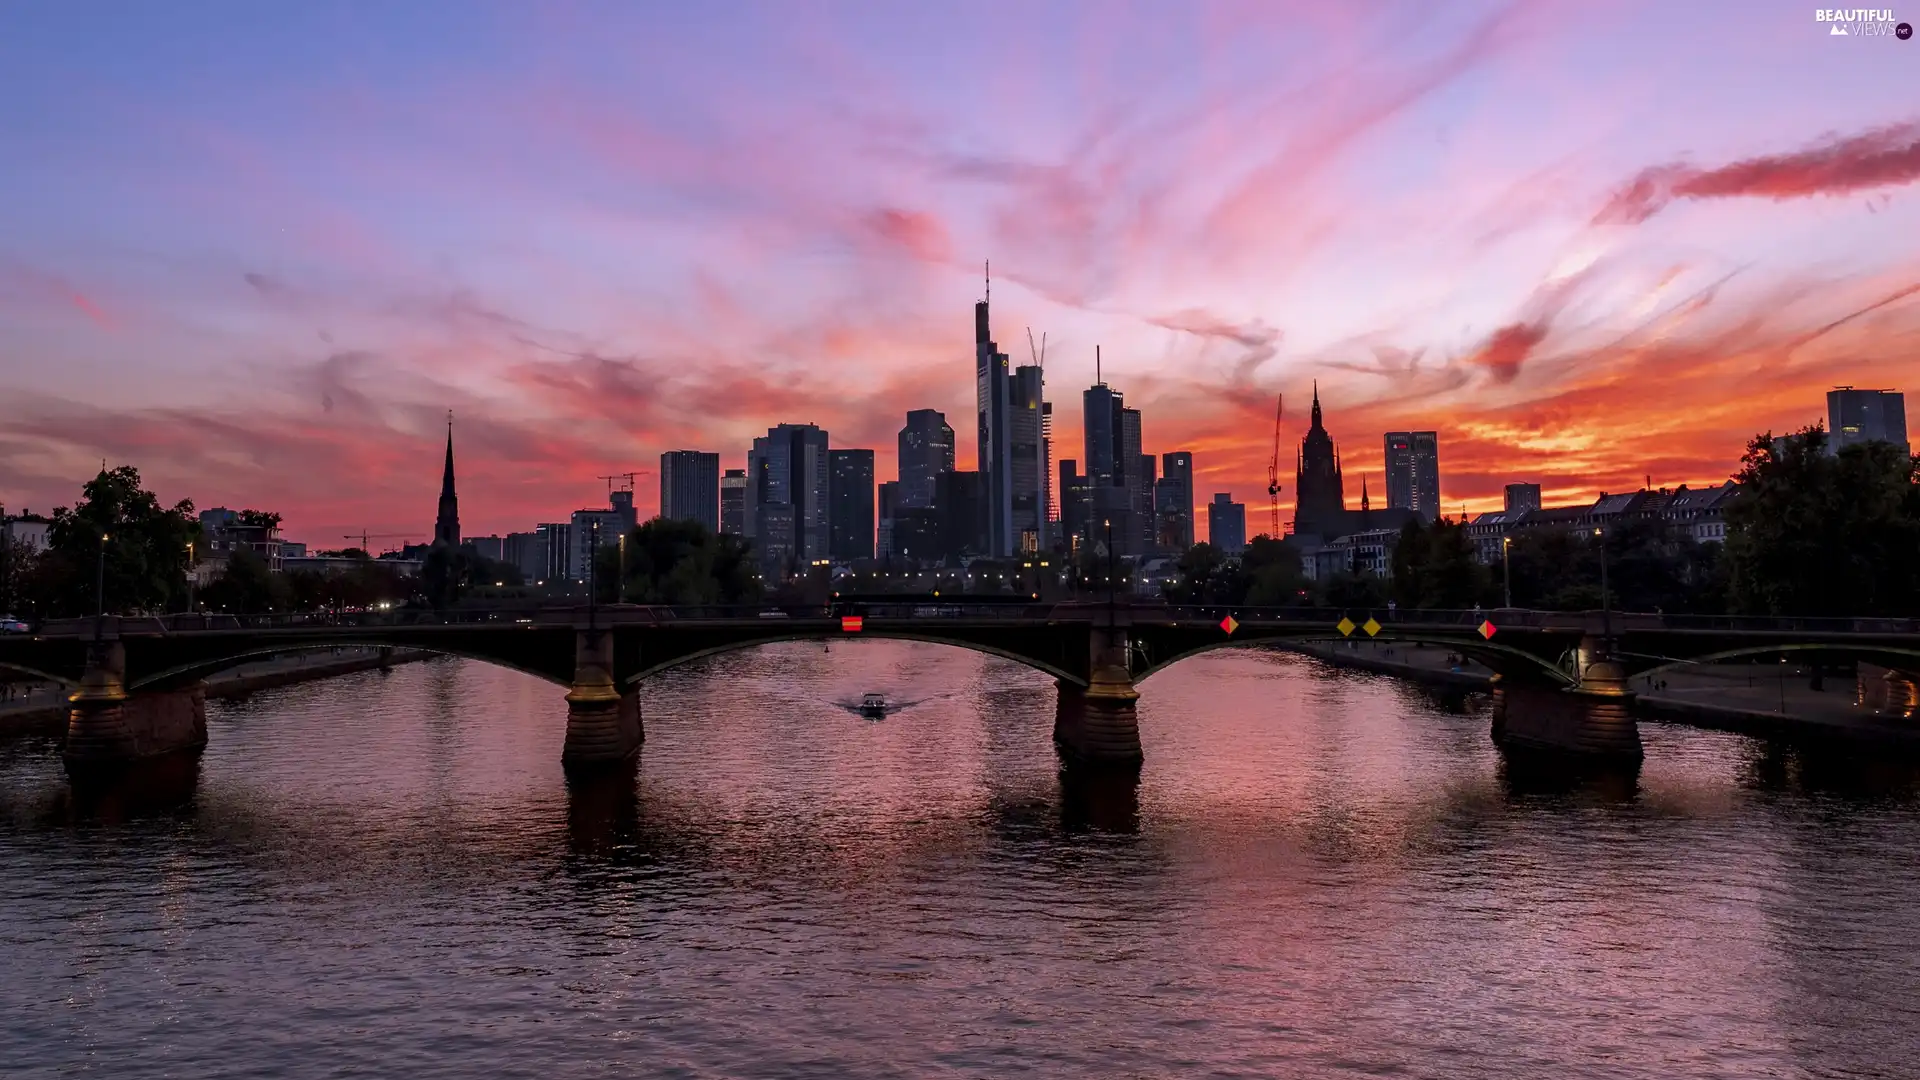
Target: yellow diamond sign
1370	627
1345	626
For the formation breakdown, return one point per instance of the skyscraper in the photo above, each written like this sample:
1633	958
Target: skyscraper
889	498
1227	524
993	398
1857	416
1522	498
926	451
786	504
1320	502
1028	449
733	503
1076	503
1173	502
690	487
850	504
1413	472
446	524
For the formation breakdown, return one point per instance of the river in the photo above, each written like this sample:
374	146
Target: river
1319	873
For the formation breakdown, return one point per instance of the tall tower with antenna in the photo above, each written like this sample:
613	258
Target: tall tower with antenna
993	399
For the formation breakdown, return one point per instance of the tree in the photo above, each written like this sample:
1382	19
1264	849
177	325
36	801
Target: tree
259	519
145	549
678	562
1434	567
1813	533
247	585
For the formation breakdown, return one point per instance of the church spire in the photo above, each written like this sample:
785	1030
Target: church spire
1365	504
446	526
1316	406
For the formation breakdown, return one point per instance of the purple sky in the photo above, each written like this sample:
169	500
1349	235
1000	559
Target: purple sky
258	251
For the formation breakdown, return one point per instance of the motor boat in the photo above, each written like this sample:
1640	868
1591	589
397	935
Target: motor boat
874	706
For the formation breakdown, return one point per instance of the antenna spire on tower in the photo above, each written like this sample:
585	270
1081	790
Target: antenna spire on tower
1097	380
989	269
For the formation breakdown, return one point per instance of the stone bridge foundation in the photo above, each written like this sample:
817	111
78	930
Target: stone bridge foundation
1593	719
603	717
1098	725
107	727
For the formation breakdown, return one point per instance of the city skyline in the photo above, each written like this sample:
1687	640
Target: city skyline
1573	281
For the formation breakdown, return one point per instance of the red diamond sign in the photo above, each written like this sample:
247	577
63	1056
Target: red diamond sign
1486	629
1229	625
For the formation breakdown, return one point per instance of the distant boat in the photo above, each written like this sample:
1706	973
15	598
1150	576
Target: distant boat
874	706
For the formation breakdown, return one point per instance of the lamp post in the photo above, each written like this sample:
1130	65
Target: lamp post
623	568
593	575
1112	569
1606	594
100	592
1506	571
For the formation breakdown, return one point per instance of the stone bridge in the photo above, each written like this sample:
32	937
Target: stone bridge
1561	683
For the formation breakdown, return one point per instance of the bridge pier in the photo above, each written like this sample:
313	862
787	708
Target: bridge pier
108	727
1594	719
603	717
1097	724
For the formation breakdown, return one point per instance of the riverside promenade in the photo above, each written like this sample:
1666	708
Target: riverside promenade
1764	699
32	708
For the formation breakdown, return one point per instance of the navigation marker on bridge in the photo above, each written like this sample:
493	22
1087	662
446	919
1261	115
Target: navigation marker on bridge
852	623
1229	625
1370	626
1345	626
1487	628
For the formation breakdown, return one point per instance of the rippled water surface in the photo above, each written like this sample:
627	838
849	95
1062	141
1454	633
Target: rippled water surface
1317	874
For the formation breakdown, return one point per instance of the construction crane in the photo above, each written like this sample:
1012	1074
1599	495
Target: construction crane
630	477
1273	471
363	537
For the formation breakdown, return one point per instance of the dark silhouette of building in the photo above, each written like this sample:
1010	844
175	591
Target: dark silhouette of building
1227	524
994	400
690	487
788	468
1076	504
1413	472
1857	416
926	451
733	503
1319	497
1031	425
850	504
1173	502
960	498
446	526
1522	498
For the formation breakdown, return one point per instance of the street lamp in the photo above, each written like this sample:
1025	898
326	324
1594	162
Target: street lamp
1606	595
1506	571
623	568
192	575
1113	566
100	591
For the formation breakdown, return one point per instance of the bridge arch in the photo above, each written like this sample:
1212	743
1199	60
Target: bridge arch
186	674
648	670
39	675
1894	656
1503	659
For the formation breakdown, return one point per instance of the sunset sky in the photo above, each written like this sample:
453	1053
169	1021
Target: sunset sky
259	250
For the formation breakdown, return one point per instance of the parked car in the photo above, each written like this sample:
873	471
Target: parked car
11	625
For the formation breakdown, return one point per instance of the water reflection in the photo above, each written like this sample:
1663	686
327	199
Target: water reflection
1530	774
1307	863
1099	800
162	786
603	808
